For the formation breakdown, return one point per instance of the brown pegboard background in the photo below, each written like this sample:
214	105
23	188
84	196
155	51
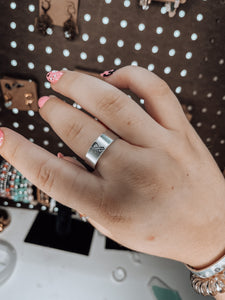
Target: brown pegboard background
115	33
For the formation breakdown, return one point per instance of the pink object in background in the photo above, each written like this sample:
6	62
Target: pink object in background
1	137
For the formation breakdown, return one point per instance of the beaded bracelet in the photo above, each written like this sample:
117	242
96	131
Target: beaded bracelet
13	185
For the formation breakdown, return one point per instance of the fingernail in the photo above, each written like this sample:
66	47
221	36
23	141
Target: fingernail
60	155
108	73
1	137
42	101
54	76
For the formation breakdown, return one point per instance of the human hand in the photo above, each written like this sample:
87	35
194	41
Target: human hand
156	190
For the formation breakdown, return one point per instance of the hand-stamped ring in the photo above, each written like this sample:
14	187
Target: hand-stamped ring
99	146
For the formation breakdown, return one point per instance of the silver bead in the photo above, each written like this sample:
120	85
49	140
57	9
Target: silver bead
30	190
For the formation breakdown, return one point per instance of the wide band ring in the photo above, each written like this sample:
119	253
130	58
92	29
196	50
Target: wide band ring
98	147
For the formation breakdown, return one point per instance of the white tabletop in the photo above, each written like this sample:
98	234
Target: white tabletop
46	273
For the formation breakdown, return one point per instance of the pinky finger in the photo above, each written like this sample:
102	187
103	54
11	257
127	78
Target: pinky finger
65	182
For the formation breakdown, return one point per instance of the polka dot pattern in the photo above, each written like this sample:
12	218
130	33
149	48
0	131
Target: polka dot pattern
189	58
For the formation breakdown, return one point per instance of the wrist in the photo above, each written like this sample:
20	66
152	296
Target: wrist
209	241
208	269
208	256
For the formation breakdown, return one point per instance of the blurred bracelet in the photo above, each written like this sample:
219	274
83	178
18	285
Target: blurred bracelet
209	286
211	280
170	5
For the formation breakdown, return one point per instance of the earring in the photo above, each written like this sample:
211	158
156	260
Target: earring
8	99
70	27
171	7
145	4
44	22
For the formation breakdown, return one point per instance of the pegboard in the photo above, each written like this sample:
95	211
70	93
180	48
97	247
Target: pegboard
187	51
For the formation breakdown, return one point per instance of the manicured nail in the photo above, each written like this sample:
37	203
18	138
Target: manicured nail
54	76
108	73
42	101
60	155
1	137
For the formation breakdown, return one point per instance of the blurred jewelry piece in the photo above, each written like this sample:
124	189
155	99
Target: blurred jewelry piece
13	185
29	98
13	85
44	22
99	146
211	270
209	286
8	99
4	219
70	27
171	7
19	93
145	4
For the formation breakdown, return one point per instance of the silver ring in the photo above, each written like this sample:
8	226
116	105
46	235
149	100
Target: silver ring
98	147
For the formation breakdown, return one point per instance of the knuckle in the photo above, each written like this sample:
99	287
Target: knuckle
73	130
162	87
111	103
46	177
129	68
184	148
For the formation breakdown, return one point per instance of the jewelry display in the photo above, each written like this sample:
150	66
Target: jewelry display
4	219
19	93
70	27
145	4
170	6
44	22
55	12
13	185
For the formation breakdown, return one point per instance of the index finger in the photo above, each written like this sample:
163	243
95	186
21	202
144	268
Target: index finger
62	180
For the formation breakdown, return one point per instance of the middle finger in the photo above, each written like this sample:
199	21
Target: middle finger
110	105
75	128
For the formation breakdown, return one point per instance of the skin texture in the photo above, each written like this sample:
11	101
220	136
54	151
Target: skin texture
220	297
157	189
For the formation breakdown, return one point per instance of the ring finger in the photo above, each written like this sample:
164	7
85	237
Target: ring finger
75	128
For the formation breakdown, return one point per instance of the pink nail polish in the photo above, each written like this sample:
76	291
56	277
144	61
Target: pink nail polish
42	101
54	76
1	137
108	73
